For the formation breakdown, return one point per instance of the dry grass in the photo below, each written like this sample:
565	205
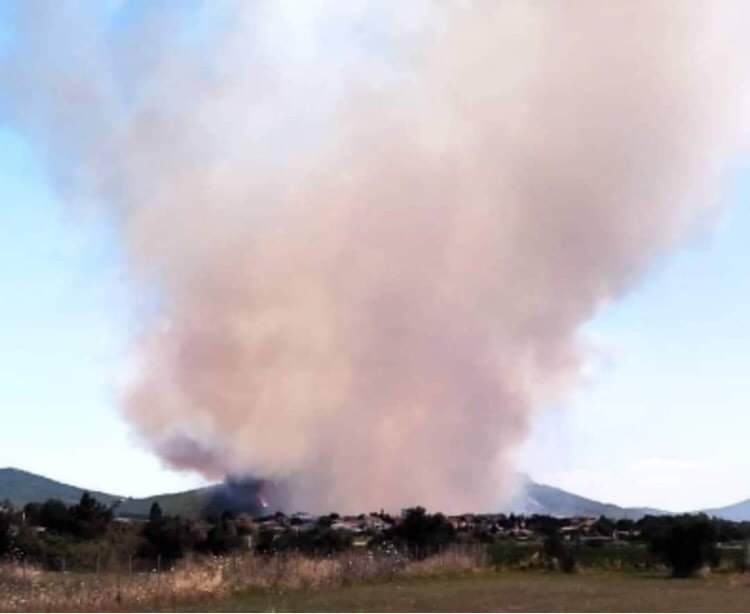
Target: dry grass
25	589
506	591
453	560
458	579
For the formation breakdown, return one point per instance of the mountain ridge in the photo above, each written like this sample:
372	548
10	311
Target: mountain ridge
536	498
738	512
21	487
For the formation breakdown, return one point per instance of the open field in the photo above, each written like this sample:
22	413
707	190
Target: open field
457	579
509	592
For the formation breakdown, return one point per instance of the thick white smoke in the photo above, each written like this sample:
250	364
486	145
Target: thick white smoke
374	230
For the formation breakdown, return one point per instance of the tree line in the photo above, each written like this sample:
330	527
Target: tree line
52	531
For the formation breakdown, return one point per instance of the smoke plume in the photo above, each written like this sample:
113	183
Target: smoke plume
371	232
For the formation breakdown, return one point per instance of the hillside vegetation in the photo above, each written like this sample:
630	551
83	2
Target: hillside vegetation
21	487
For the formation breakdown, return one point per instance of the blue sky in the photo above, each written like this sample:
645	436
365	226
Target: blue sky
65	320
663	419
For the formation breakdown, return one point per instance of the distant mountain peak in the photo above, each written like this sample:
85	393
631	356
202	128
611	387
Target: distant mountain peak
21	487
737	512
535	498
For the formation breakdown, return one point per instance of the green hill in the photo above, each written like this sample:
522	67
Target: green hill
22	487
188	504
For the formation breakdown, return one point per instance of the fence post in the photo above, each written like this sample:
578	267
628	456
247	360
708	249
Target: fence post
130	565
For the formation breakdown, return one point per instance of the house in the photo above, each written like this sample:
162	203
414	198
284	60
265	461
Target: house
375	523
272	525
521	533
350	524
301	518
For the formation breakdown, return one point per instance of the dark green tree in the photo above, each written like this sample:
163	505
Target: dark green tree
421	533
54	516
167	537
5	537
90	519
155	515
544	524
556	549
686	544
32	514
604	526
625	524
223	537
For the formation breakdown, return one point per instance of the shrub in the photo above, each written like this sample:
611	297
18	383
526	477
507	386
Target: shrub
421	533
512	554
557	550
5	539
686	545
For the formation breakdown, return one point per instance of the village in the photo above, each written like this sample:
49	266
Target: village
363	529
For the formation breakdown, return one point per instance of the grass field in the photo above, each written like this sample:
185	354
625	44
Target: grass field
509	592
454	580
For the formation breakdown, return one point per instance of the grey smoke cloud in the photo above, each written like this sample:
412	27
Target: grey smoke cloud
375	230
